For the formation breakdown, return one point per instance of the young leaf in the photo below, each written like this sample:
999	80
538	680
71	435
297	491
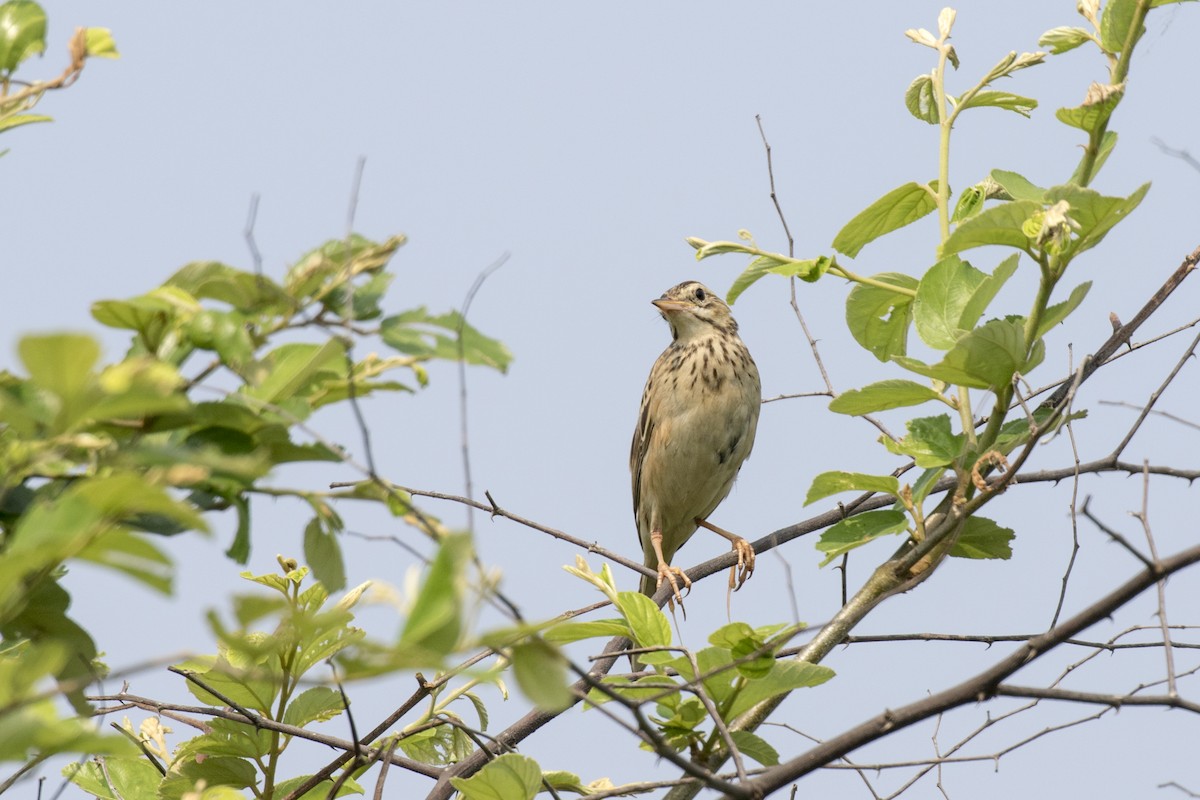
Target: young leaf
881	396
930	442
1006	100
943	294
899	207
983	538
1095	110
1002	224
809	270
1116	24
1062	39
852	532
100	43
878	318
1018	186
921	100
830	483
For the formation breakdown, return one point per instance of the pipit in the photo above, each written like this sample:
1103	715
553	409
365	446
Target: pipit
696	427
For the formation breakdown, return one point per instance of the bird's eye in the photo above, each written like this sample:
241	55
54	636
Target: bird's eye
700	295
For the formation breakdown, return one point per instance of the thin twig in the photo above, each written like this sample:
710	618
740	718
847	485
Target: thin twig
1168	653
462	380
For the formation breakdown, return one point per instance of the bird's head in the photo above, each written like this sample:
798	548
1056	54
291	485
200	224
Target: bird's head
692	309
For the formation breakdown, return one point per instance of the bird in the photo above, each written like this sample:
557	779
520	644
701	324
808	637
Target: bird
696	426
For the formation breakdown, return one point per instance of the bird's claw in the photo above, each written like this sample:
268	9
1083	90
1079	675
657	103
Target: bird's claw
669	574
741	572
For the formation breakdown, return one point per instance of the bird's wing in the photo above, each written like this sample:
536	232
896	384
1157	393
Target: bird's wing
641	442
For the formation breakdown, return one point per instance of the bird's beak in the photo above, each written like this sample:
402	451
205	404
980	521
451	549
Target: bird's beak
667	306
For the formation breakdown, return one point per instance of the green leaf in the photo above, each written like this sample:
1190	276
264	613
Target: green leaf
292	369
930	442
899	207
756	747
786	676
987	291
834	482
878	318
100	43
567	632
983	538
921	100
117	778
852	532
217	773
809	270
239	548
22	33
133	555
942	296
1006	100
883	395
541	673
1060	311
323	553
647	622
243	291
925	483
319	792
1001	224
1095	110
1116	23
986	358
509	777
1018	186
1062	39
318	704
60	363
419	333
745	645
435	623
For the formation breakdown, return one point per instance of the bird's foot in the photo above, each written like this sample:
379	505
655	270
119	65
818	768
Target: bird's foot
674	576
741	572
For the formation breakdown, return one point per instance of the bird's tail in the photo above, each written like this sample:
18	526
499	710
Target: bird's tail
649	585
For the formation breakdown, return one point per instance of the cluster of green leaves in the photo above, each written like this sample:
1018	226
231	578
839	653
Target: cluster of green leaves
947	305
255	673
96	462
22	36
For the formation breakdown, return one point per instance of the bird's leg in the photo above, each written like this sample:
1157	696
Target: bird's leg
665	570
745	553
